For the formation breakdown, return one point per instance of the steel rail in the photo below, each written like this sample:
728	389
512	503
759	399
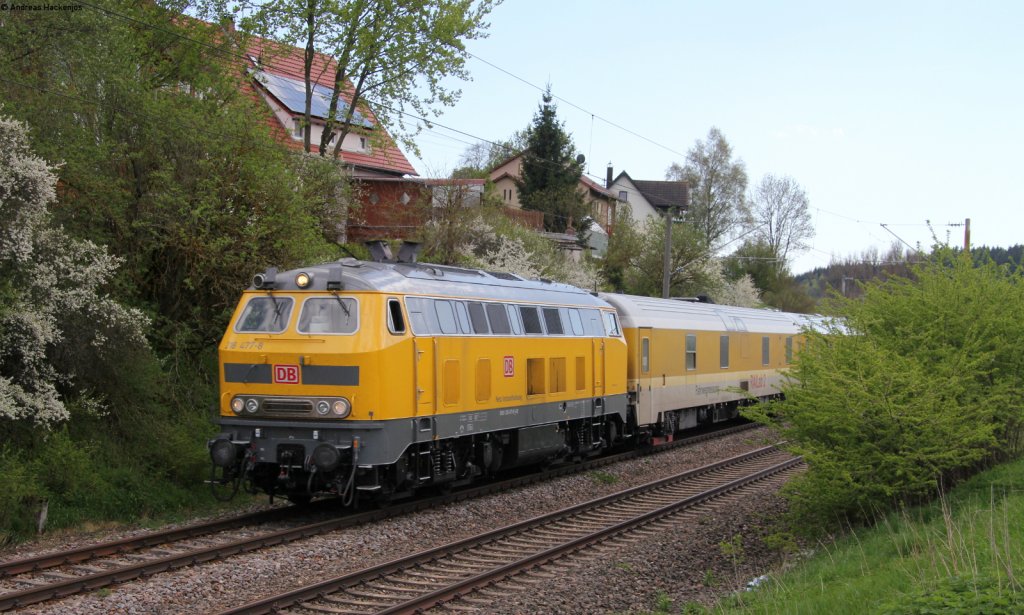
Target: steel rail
126	545
317	590
458	589
68	587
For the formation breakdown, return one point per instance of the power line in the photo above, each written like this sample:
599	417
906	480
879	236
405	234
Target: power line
575	106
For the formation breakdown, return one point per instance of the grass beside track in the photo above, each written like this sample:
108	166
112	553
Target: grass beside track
962	554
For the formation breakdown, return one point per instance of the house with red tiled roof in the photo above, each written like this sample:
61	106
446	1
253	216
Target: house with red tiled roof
393	201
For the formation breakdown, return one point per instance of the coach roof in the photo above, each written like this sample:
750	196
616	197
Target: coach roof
677	314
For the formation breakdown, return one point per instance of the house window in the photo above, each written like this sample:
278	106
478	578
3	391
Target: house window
623	195
363	144
297	128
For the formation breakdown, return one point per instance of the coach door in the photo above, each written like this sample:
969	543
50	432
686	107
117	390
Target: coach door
425	383
598	367
645	409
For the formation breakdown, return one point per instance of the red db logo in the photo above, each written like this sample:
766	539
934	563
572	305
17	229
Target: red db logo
286	374
510	367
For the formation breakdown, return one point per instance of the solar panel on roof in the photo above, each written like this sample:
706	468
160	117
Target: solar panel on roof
292	94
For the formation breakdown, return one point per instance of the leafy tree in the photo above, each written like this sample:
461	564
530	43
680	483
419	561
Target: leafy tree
919	383
777	214
479	159
55	320
778	288
717	187
399	53
550	177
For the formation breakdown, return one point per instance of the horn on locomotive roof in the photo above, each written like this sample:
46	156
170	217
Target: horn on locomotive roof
408	252
380	251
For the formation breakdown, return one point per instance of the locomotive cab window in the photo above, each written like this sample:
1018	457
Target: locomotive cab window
331	315
268	314
396	322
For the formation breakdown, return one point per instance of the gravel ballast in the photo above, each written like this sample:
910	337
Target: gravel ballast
685	565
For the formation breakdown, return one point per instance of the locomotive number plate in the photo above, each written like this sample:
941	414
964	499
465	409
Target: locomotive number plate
286	374
510	367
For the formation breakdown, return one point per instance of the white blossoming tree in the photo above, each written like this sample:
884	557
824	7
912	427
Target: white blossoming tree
55	320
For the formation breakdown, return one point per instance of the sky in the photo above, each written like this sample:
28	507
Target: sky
893	113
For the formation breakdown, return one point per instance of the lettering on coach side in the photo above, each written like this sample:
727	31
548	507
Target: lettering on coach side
510	367
286	374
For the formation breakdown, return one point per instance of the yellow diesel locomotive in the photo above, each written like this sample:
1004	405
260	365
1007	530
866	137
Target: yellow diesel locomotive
374	379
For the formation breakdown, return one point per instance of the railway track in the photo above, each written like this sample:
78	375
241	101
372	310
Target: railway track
439	576
57	575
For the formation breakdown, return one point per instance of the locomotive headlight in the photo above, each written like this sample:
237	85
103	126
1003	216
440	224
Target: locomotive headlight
251	406
303	279
322	408
342	408
237	405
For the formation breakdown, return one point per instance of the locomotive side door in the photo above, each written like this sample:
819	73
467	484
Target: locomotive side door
423	357
599	366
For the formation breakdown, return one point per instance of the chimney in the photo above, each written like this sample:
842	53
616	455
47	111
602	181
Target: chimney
608	177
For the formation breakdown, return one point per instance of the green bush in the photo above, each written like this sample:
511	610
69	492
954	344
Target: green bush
919	386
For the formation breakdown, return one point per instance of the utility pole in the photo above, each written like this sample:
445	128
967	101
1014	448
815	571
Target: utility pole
967	235
666	261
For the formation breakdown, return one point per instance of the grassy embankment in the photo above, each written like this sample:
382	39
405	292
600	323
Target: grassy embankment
963	554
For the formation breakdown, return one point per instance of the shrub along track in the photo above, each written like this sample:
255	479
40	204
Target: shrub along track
56	575
520	552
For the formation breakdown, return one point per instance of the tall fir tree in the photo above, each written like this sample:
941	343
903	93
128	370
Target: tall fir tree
550	176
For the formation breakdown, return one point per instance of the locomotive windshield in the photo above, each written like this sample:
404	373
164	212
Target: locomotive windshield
338	315
268	314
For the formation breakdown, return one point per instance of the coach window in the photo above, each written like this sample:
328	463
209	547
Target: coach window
765	350
478	318
446	316
724	351
531	320
498	316
645	355
513	319
553	321
396	322
611	324
789	350
691	351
